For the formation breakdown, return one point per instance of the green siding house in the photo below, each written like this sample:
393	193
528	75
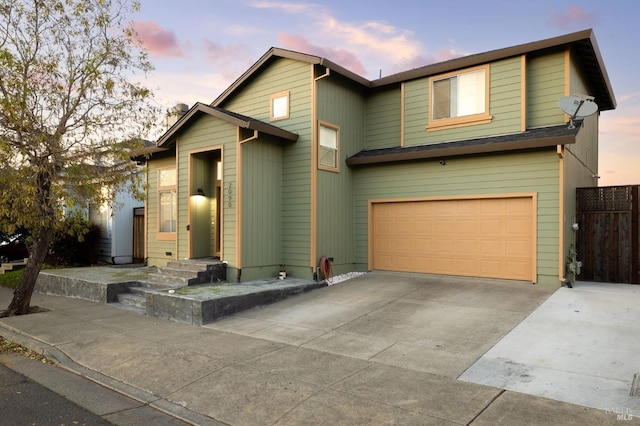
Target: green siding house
467	167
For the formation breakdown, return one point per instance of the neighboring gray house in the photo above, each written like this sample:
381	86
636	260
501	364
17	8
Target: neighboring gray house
117	225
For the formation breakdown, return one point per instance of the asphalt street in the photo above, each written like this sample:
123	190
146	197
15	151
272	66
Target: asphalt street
40	394
25	402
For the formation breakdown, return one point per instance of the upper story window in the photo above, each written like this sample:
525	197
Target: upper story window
459	98
279	106
167	203
328	147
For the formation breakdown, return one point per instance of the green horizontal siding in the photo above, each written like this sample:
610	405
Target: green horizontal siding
383	119
416	111
342	104
545	86
262	205
535	172
253	100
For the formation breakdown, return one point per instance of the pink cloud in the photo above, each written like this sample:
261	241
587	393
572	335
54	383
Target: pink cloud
341	57
230	59
157	40
573	16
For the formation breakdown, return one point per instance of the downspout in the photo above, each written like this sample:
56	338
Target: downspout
314	169
561	215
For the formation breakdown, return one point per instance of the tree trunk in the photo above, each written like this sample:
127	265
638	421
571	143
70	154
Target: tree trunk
21	301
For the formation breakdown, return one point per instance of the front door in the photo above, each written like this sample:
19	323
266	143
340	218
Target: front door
204	204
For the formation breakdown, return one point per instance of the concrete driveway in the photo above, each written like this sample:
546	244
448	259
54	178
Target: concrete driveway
582	346
430	323
577	345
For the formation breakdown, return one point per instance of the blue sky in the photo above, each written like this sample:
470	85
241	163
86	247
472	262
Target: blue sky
199	47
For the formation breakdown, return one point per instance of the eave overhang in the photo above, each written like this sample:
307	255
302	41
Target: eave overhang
239	120
540	138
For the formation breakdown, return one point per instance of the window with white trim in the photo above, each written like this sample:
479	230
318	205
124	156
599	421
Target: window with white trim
167	202
328	147
459	98
279	106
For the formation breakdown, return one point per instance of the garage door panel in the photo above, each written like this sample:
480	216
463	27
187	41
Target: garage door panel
492	207
444	246
467	247
467	266
423	245
519	246
514	267
466	226
403	226
443	225
518	226
465	209
442	264
519	206
491	237
493	246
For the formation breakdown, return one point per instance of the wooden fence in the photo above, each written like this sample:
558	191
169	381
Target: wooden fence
607	241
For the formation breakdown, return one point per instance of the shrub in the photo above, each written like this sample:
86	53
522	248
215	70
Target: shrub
75	243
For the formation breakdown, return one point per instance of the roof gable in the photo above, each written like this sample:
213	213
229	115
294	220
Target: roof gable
275	53
239	120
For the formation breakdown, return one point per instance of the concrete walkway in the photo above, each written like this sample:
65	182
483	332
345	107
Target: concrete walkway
377	349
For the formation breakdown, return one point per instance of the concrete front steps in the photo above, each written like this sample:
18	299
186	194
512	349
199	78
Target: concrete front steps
177	274
170	299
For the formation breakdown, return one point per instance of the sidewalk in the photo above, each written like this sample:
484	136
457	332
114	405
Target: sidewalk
208	376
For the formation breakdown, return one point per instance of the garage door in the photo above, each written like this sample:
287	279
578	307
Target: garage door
487	237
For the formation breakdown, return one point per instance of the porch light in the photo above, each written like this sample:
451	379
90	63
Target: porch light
200	192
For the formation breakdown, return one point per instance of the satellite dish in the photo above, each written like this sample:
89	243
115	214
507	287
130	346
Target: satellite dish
577	106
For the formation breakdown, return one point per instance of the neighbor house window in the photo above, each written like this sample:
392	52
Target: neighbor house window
459	98
167	203
328	146
280	106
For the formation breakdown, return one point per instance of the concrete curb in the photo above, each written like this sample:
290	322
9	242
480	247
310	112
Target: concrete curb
64	361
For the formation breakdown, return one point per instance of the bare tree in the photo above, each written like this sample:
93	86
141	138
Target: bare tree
70	114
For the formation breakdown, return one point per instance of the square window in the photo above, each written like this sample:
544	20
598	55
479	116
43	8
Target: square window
459	98
328	146
279	106
167	177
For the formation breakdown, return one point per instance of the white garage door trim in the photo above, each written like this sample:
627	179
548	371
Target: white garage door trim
531	196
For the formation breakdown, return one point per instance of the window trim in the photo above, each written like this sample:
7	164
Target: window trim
160	235
465	120
325	124
274	97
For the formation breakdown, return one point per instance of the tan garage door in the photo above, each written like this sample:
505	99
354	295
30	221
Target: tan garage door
488	237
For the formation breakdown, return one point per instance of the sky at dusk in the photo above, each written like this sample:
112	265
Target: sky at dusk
200	47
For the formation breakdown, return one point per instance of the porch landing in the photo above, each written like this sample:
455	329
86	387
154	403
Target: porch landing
193	304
